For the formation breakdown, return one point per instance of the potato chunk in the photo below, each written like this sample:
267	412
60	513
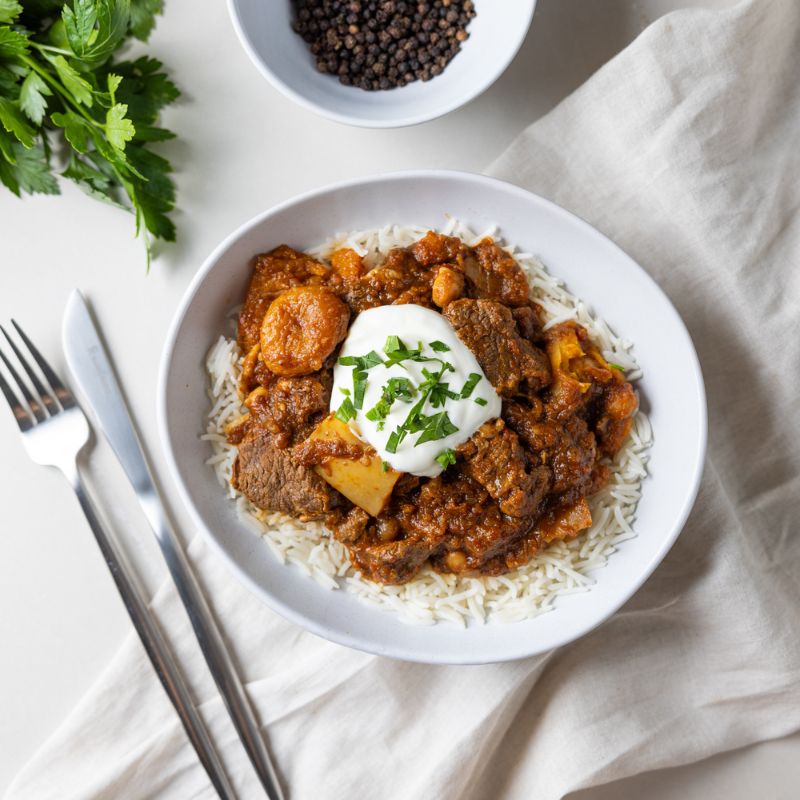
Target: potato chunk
301	329
363	481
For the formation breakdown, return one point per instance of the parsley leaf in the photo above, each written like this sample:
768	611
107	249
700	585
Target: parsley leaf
14	122
437	427
9	10
346	411
446	458
32	95
439	347
119	129
472	381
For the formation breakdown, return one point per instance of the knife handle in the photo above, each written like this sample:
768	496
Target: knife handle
211	642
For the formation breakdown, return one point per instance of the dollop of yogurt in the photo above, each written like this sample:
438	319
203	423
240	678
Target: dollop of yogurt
417	328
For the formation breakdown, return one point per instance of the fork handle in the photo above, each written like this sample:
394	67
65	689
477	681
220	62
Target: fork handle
155	645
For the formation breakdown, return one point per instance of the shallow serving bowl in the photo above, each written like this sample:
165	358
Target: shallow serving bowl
283	58
595	270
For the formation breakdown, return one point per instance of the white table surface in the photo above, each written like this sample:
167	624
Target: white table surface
242	148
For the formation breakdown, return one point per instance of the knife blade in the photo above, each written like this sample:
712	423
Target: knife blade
90	365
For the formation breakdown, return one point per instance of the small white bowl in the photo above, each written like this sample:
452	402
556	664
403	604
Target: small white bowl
594	269
495	35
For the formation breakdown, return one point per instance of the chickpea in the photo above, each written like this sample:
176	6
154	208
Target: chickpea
456	561
388	529
448	285
301	329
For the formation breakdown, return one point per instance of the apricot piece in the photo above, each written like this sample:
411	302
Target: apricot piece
301	329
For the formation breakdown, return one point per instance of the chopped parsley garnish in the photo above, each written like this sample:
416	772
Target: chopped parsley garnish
361	364
359	387
436	427
385	466
616	366
345	392
440	394
472	382
446	458
346	410
431	391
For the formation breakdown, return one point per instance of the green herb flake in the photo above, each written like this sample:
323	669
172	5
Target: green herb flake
472	381
446	458
359	387
385	466
346	411
616	366
437	427
481	402
439	347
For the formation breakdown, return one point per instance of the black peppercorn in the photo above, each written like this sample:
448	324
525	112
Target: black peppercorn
383	44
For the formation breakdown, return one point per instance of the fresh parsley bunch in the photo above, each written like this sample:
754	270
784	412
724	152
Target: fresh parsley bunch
58	78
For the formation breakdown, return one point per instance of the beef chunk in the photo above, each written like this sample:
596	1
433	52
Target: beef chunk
348	527
291	407
269	477
495	459
567	447
529	321
435	248
495	275
394	562
400	279
512	364
274	272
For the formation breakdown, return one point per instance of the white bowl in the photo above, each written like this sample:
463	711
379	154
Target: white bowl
594	268
495	35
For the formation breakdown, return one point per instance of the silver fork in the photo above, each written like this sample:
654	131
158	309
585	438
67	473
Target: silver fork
54	431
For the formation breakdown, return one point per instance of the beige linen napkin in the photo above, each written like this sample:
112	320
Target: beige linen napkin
685	149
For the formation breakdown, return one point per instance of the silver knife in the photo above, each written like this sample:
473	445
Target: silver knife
89	364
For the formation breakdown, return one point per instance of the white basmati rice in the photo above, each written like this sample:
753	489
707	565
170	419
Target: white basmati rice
520	594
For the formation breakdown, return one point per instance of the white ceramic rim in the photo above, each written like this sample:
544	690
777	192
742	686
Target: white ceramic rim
354	641
366	122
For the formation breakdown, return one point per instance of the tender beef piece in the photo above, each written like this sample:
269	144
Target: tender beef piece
619	404
400	279
393	562
269	477
566	447
435	248
495	275
348	526
512	364
495	459
274	272
291	408
529	321
458	514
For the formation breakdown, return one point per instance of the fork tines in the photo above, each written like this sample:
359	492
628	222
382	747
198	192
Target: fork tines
51	399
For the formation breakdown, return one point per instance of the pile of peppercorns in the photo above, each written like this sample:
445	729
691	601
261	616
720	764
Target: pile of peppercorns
382	44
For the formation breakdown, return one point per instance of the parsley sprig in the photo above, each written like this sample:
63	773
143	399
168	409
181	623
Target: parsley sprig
59	81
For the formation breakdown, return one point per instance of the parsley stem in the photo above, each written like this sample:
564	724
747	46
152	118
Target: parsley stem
52	49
